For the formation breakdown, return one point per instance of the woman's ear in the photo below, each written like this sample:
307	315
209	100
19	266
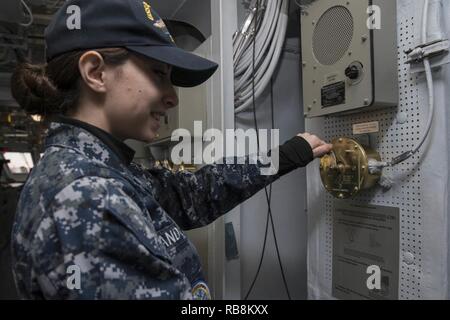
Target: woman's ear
92	69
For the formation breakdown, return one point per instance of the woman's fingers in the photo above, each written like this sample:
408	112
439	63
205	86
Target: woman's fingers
313	140
322	150
318	146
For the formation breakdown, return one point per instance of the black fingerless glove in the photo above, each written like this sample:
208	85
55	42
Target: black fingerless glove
294	153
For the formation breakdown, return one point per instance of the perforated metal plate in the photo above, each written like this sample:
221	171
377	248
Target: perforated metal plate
391	141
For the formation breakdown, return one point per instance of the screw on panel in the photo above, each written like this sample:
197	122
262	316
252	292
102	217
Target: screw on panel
408	258
402	117
366	102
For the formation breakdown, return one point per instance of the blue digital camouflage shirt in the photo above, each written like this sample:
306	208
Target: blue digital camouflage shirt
120	225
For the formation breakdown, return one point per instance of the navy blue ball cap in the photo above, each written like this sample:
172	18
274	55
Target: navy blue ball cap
131	24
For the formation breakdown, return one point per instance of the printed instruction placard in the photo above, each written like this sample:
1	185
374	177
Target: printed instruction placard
365	239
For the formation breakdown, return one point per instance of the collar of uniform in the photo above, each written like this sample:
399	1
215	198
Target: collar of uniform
88	143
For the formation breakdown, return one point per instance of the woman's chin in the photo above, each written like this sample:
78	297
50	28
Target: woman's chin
151	136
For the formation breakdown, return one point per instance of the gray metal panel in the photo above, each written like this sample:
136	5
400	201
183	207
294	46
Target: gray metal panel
446	73
223	277
385	55
420	187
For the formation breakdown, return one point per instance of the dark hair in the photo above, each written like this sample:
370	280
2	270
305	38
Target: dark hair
54	87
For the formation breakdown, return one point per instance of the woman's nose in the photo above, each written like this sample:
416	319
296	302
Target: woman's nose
171	98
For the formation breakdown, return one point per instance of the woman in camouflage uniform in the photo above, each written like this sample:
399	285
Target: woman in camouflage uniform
86	209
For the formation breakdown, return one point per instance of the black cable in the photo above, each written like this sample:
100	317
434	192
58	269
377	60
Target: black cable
262	252
257	139
268	195
270	208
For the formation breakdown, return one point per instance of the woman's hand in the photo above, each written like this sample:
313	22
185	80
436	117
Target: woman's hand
319	147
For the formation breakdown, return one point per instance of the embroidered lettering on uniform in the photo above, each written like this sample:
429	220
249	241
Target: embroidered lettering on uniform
171	237
148	11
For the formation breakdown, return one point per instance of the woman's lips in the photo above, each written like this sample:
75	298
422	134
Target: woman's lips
157	117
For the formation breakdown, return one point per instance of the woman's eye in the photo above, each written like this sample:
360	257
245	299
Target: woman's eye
160	73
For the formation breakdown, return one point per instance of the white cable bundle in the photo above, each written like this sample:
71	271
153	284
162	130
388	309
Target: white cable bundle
272	20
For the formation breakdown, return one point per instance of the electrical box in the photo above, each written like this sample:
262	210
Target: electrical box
349	53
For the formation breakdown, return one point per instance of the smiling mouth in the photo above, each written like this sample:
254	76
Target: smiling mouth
157	115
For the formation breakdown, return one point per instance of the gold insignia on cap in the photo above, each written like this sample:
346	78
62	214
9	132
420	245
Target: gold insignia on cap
161	25
148	11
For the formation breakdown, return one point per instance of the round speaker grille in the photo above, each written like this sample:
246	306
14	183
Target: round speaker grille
333	35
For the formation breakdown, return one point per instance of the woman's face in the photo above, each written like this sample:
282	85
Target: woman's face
137	97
